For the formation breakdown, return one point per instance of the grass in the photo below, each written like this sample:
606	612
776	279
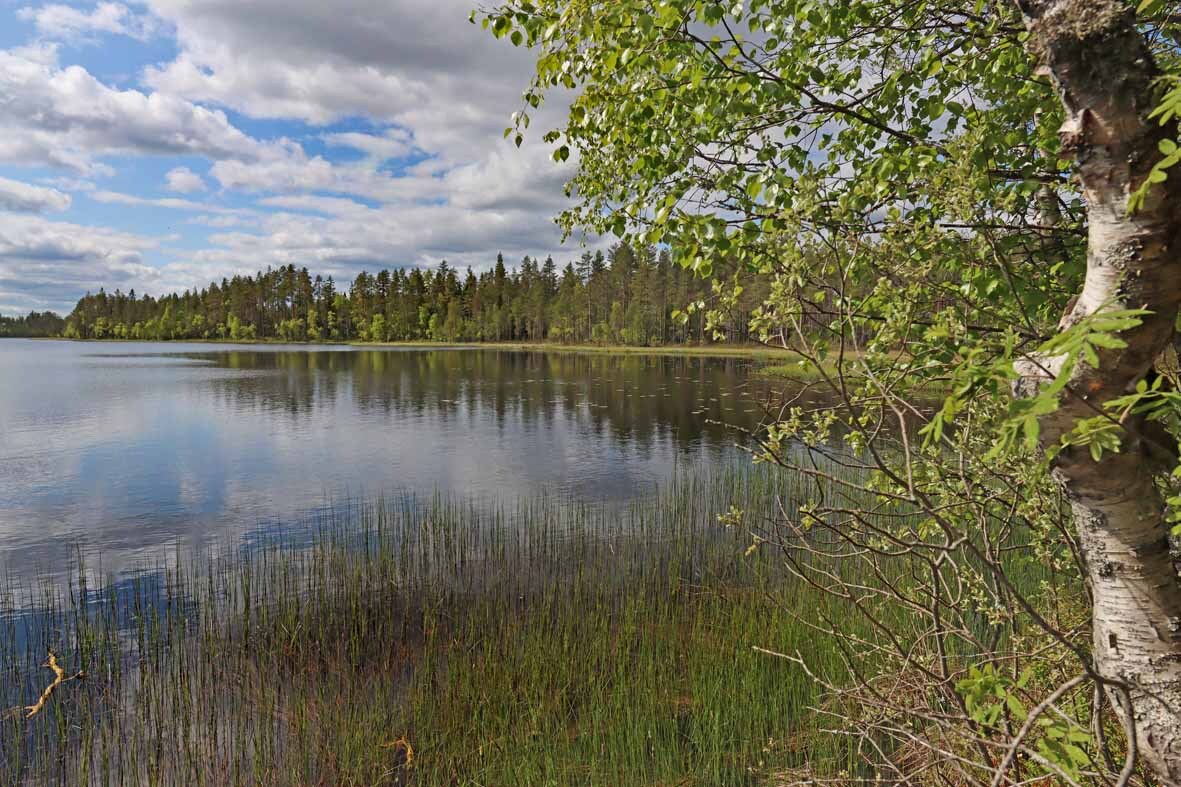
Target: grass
757	352
437	643
794	371
774	363
754	351
542	641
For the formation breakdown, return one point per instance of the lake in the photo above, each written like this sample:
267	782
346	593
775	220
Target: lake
137	451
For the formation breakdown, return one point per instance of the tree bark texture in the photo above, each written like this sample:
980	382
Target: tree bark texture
1104	74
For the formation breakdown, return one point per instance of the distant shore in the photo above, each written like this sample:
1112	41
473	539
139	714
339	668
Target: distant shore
775	362
757	351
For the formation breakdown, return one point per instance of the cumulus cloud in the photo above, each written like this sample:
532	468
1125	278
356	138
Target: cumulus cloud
501	177
503	202
324	61
319	93
184	181
420	66
66	22
49	264
341	237
64	117
394	143
328	206
418	173
70	184
220	221
27	198
173	203
286	168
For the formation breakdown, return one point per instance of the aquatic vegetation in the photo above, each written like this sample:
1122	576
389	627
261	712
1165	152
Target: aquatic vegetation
402	641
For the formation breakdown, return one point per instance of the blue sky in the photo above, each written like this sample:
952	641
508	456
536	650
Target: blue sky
163	144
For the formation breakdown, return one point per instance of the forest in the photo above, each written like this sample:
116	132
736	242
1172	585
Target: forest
34	324
633	296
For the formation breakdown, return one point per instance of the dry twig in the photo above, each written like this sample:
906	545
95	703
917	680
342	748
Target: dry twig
60	677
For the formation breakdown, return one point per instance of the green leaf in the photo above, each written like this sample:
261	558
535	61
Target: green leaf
1107	341
1032	429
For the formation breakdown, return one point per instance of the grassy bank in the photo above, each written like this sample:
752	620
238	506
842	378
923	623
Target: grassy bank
754	351
772	363
542	642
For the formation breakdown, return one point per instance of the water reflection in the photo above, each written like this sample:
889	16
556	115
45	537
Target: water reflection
133	449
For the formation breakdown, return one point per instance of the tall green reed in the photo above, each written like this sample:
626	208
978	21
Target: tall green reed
540	641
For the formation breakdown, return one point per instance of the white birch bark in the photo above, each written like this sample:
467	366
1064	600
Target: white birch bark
1103	72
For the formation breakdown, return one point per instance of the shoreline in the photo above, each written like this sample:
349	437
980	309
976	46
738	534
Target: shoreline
755	351
777	364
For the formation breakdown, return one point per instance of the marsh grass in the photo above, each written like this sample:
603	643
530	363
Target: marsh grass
441	642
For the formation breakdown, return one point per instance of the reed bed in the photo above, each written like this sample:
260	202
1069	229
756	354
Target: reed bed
399	641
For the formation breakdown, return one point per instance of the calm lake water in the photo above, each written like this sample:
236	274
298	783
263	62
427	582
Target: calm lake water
136	451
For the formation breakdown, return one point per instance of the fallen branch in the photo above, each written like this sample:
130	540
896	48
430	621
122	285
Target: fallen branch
59	678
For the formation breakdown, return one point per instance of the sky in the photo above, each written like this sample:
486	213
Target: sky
164	144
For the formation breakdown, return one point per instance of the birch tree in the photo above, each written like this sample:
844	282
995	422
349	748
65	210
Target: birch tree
1104	73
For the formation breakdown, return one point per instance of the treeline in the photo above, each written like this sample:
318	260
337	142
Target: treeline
628	296
32	325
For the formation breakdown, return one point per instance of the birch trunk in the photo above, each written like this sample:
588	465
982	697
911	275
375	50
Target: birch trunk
1103	72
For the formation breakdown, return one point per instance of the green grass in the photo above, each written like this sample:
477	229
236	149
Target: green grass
778	364
808	372
540	642
754	351
543	641
773	363
757	352
794	371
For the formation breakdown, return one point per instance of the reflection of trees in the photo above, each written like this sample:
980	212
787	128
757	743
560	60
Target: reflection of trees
635	399
249	434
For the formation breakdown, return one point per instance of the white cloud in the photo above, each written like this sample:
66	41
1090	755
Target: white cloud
64	117
329	206
503	177
394	143
418	65
445	88
70	184
423	82
322	61
65	22
184	181
27	198
341	237
49	264
286	168
320	93
173	203
220	221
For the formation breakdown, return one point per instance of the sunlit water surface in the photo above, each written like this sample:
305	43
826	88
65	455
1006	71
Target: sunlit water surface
134	452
